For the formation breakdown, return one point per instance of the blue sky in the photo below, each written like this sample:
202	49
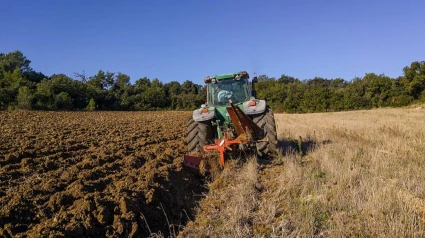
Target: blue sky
190	39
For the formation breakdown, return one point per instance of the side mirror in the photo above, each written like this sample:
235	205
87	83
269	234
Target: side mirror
253	91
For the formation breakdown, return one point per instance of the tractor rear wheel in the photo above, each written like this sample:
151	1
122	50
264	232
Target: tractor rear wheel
266	122
198	134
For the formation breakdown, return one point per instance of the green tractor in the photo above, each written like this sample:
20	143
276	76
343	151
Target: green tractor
231	121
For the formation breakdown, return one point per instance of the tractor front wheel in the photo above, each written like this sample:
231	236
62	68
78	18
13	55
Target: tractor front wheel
266	122
198	134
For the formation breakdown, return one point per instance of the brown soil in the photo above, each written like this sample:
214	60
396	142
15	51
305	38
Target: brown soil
94	174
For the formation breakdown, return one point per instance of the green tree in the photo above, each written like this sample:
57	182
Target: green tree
9	62
263	77
186	101
34	77
126	101
378	89
43	99
142	85
9	86
92	105
189	87
355	96
24	98
336	94
102	80
315	99
295	92
6	97
172	89
415	79
122	80
285	79
63	101
264	89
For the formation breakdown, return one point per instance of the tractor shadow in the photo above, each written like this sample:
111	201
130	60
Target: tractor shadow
302	146
287	147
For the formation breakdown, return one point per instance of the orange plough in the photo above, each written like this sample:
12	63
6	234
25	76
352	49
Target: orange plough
247	135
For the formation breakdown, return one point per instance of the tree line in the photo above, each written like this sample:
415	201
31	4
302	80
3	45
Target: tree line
21	87
291	95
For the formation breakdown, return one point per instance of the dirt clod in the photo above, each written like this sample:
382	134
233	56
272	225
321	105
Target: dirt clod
93	174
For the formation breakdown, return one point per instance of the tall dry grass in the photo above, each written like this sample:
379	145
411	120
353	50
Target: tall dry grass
359	173
364	175
227	211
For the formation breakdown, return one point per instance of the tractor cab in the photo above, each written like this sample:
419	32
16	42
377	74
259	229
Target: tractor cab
225	87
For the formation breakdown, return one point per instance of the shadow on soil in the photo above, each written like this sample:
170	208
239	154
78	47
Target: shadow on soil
174	203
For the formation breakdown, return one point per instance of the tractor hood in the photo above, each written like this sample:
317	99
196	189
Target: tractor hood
204	114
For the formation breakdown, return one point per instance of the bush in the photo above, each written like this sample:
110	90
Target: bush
91	106
24	98
402	100
63	101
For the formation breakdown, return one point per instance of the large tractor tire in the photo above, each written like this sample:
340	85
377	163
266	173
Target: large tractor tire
198	135
266	122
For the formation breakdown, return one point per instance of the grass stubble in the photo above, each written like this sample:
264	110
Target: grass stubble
358	173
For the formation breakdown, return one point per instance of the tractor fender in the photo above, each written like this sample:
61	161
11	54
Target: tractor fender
260	107
198	115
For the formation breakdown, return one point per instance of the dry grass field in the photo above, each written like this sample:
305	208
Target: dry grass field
119	174
359	173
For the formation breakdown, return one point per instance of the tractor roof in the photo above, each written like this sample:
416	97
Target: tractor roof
220	77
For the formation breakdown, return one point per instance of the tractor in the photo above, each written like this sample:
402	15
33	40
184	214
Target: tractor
232	121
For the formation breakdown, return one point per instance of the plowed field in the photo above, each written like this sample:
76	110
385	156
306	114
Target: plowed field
97	174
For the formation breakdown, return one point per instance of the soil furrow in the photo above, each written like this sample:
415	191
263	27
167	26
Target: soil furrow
102	174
